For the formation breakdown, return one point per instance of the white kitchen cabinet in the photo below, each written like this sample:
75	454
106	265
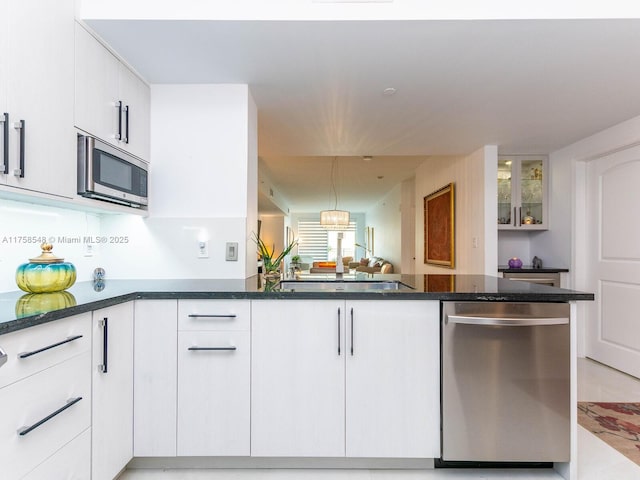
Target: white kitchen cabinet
155	378
55	405
36	93
320	390
523	192
111	102
297	378
393	379
112	386
214	374
73	461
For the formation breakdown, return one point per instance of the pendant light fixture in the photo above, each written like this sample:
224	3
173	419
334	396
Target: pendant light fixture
334	219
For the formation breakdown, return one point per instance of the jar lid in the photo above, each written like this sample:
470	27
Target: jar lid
46	256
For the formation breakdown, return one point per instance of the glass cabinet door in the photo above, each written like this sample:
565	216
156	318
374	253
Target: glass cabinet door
505	192
531	192
522	192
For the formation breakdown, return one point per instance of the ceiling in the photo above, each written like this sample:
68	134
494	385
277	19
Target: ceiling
528	86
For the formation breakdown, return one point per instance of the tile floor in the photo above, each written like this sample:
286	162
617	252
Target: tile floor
596	460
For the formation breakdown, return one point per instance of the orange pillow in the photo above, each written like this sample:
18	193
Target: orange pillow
326	264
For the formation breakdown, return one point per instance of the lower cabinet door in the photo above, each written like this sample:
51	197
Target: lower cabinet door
112	409
213	393
42	413
393	379
71	462
297	375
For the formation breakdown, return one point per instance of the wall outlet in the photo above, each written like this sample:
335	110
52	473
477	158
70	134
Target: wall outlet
203	249
231	254
475	242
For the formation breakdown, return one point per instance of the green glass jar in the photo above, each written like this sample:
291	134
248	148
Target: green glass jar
45	273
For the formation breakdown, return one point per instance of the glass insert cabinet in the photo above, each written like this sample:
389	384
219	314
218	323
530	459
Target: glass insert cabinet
522	192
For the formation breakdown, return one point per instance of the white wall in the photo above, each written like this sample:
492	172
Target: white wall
203	179
272	231
475	209
386	219
22	225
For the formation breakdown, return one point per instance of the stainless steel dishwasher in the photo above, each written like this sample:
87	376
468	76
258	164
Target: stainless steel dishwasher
505	382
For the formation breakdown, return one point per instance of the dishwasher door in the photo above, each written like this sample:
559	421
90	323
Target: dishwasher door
505	382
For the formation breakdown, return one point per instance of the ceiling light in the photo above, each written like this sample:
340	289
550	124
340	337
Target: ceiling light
387	92
334	219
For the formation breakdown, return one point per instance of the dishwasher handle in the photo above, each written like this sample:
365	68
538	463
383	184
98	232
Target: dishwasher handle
506	321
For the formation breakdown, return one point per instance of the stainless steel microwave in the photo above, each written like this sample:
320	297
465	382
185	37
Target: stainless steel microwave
110	174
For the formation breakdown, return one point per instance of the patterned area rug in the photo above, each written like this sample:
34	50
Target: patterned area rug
617	424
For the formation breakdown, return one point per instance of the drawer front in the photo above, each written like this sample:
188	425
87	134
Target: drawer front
66	338
32	400
214	315
72	462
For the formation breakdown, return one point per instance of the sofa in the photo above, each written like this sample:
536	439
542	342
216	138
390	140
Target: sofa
374	265
330	267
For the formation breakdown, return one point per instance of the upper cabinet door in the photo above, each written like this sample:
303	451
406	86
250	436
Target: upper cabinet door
135	97
522	192
37	79
96	87
111	102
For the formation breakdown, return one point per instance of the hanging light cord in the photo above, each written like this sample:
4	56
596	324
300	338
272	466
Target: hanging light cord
333	184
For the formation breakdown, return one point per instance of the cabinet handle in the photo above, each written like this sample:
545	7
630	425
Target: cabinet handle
19	172
519	216
119	107
70	403
3	357
5	143
220	349
338	331
197	315
352	331
126	124
104	323
49	347
514	216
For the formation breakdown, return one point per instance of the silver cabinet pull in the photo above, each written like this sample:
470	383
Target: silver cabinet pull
351	331
5	142
70	403
49	347
219	349
3	357
118	105
197	315
104	323
19	172
338	331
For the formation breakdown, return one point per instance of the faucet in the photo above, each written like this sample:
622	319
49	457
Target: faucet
339	264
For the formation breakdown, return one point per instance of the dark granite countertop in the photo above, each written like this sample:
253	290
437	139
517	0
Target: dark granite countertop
530	269
19	310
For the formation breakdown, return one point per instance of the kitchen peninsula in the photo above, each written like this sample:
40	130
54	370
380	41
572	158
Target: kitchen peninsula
301	375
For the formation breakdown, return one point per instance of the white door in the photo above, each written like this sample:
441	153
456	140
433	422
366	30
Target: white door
135	96
112	387
393	379
297	378
613	246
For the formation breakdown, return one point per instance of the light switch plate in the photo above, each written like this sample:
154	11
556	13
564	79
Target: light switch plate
232	252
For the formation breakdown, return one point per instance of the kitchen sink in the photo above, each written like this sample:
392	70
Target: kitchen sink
340	285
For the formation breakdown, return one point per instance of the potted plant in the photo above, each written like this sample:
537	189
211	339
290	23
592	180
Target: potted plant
271	262
296	261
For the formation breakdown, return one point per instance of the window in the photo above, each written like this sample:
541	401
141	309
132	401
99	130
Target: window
316	244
